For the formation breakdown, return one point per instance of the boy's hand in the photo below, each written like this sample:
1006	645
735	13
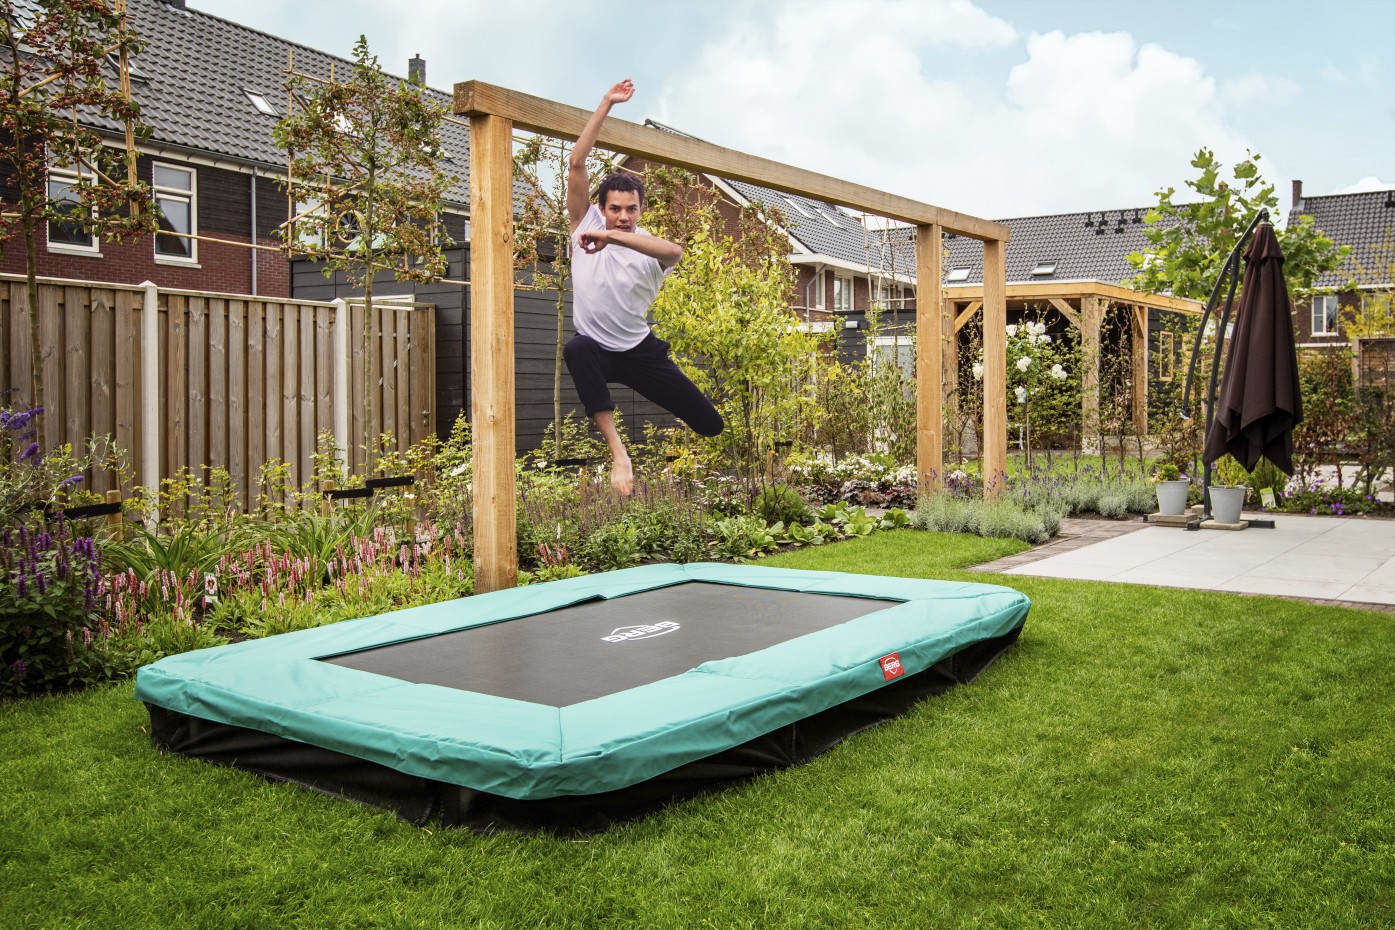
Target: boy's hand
593	240
620	92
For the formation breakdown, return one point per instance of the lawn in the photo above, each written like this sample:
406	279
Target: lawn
1142	758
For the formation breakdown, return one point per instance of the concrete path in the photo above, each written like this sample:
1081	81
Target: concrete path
1347	560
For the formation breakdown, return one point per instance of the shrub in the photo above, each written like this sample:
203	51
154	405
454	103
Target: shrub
741	538
780	503
614	545
945	513
48	608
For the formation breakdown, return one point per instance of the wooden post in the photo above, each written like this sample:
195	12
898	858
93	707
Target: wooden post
114	522
339	331
326	502
993	456
950	346
150	383
1139	357
1091	315
491	351
929	359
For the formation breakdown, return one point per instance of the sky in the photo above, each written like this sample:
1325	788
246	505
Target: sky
998	108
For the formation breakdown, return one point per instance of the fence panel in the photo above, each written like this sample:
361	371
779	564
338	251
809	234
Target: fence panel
240	380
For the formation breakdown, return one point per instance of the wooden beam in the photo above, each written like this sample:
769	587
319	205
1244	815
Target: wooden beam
929	359
1091	313
994	453
475	98
967	315
1066	310
1139	361
1076	289
491	352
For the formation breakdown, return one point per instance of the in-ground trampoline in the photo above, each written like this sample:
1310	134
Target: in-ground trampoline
569	705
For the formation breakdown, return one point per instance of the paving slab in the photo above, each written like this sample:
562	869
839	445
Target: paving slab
1348	560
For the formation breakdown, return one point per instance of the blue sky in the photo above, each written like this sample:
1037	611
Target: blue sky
999	108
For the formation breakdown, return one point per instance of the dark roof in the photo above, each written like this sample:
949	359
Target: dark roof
1362	221
1090	246
825	229
197	69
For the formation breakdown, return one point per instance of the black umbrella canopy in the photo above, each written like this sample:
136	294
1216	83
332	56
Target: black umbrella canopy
1260	400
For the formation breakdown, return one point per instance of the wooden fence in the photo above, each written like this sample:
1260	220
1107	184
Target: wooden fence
217	379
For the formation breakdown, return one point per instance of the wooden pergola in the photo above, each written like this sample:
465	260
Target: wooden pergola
1083	304
495	113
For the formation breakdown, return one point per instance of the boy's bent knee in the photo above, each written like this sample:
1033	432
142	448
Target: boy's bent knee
709	424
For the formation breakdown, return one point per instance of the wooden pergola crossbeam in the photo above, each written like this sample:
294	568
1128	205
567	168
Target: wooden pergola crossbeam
968	314
495	113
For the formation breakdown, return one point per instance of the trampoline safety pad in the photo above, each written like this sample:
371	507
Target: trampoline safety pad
571	704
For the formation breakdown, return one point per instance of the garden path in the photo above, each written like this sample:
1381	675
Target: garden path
1336	560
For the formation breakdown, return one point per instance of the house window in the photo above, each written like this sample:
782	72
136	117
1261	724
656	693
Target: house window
897	349
957	274
1325	315
842	294
1167	356
175	193
261	103
1045	268
798	209
814	294
71	233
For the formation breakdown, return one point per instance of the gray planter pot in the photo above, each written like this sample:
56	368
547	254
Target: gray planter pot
1172	497
1226	503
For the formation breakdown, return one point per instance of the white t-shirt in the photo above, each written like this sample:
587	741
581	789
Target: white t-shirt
612	289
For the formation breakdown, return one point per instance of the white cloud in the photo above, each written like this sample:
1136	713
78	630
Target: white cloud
1262	89
1082	121
1368	183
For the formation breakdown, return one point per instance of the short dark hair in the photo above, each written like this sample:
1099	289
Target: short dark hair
619	182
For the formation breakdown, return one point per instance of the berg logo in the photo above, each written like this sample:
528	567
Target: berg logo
891	666
640	631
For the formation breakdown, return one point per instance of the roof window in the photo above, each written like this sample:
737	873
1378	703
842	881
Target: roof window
831	221
957	274
798	209
261	103
1044	268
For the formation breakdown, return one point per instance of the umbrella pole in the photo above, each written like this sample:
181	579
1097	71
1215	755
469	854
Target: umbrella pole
1231	267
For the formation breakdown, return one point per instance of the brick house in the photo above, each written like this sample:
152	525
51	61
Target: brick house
1364	221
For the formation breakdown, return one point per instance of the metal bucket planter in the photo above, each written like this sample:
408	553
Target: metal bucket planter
1172	497
1226	503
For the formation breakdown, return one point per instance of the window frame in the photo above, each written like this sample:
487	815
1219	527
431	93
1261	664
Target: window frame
819	290
846	283
191	196
1313	315
72	177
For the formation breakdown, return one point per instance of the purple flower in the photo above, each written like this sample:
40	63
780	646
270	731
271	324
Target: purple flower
18	668
70	481
30	452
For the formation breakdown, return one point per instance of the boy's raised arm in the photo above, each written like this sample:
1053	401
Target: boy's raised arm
578	183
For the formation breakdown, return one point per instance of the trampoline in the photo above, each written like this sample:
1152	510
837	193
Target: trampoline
570	705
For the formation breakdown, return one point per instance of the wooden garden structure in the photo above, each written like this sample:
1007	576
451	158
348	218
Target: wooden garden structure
1084	305
494	114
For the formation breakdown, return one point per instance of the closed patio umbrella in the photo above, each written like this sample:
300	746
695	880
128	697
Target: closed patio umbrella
1260	398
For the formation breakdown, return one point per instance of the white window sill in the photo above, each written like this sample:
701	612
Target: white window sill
178	262
74	250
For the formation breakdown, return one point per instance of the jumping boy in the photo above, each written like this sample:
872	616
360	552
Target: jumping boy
617	270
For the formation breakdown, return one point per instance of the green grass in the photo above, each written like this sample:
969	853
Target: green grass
1141	758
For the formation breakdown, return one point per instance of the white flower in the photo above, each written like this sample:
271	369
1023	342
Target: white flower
978	371
1057	372
1024	363
1044	340
1012	330
1038	328
1021	393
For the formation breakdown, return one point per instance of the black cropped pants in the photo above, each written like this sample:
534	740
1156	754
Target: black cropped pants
648	369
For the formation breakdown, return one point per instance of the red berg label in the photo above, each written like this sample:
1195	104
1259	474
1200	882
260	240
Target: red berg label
891	666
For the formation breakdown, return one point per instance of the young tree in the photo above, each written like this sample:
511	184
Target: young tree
365	178
1189	242
57	80
1373	314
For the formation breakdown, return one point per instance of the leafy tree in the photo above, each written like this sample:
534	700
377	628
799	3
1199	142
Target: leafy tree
725	311
56	81
1374	313
365	155
1189	242
541	232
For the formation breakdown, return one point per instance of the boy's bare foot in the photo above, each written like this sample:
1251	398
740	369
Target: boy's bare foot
622	476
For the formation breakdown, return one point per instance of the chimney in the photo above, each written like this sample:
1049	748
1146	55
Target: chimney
1298	195
416	69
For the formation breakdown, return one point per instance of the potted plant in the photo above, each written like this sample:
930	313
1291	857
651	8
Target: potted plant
1172	488
1229	491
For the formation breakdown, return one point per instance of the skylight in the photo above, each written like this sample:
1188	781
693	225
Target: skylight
261	103
800	210
832	222
1044	268
957	274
